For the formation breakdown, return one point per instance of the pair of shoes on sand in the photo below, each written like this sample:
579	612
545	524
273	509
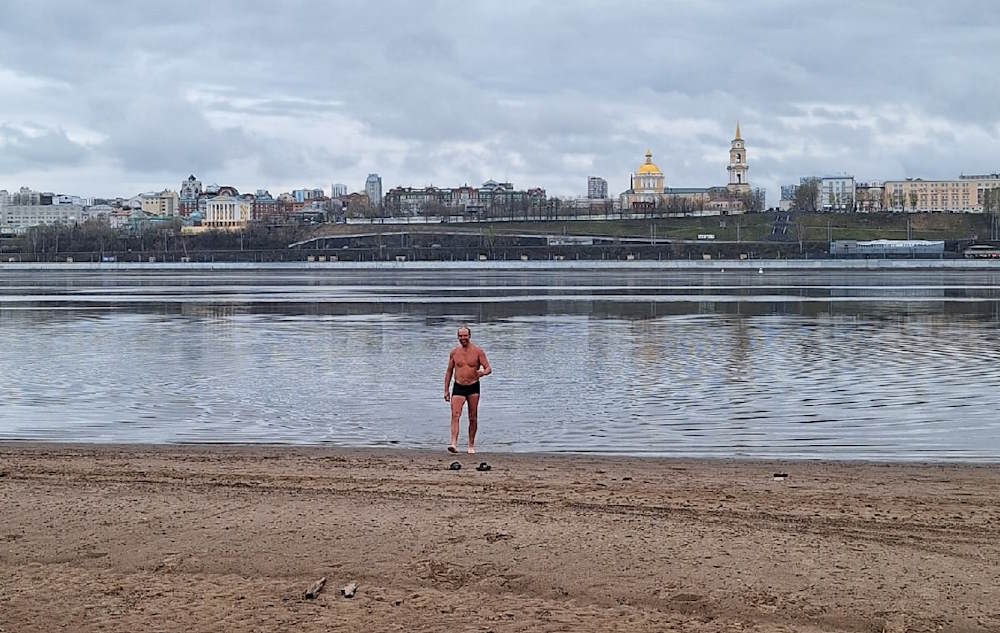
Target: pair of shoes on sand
482	467
452	449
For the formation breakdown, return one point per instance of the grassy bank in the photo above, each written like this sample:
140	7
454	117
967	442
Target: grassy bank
816	227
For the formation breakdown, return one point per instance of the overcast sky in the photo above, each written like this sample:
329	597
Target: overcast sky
106	98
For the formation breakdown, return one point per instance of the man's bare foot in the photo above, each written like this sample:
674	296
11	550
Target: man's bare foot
452	449
472	451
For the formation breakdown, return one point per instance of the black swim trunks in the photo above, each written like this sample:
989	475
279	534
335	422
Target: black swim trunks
465	390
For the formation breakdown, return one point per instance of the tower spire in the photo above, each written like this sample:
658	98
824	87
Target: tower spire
738	183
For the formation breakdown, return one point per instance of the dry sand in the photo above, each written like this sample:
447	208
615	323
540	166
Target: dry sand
229	538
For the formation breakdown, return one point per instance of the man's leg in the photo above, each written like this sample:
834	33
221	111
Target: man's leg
473	421
457	402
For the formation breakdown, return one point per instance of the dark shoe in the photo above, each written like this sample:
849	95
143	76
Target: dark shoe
455	466
483	467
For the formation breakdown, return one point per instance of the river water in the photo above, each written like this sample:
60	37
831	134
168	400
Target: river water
831	364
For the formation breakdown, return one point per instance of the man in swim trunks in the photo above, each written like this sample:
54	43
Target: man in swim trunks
468	363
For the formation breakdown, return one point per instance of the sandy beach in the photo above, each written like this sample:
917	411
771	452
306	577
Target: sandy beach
139	538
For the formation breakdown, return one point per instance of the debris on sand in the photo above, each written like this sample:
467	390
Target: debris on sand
315	588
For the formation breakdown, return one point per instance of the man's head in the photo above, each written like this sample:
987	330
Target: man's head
464	335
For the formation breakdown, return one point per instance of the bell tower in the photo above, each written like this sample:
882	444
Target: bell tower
738	167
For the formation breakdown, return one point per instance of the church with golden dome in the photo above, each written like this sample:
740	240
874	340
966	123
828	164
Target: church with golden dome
648	190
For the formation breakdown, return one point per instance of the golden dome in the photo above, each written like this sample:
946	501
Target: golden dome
649	167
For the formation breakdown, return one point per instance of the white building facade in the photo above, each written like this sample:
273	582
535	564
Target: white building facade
836	193
227	212
26	208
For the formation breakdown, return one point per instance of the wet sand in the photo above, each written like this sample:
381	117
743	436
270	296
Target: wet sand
140	538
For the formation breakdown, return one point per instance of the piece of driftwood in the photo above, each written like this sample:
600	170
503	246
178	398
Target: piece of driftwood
315	588
348	590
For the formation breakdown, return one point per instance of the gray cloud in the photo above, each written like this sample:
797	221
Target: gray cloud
259	94
33	146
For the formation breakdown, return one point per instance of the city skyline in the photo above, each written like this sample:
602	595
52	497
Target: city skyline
110	100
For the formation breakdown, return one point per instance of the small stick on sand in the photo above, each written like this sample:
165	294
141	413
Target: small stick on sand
315	588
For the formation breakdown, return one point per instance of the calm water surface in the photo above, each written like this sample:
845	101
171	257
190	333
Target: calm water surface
851	365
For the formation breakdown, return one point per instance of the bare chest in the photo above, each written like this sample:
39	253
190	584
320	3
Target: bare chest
467	358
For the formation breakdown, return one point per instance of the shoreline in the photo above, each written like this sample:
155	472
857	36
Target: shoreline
211	537
415	452
714	265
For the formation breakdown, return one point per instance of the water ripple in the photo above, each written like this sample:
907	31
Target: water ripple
838	365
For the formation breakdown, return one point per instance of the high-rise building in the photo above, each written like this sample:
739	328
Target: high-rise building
337	190
597	188
373	187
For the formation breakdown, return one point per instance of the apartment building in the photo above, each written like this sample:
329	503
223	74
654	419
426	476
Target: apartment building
597	188
27	208
499	197
164	204
962	195
836	193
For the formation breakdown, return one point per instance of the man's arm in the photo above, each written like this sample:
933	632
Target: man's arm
485	370
447	375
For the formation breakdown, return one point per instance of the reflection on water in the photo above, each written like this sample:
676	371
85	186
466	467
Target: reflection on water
900	365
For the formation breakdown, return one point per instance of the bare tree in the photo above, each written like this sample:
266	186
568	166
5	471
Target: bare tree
753	200
806	195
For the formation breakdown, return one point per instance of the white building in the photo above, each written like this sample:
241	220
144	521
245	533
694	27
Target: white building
17	218
100	212
227	212
373	187
77	200
337	190
836	193
26	208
